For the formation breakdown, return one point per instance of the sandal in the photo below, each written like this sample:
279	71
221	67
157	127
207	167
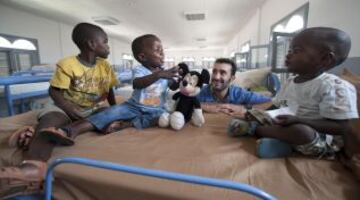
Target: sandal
14	181
22	137
57	135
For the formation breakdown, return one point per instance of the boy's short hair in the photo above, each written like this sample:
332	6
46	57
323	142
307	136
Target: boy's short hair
227	61
139	43
330	39
84	32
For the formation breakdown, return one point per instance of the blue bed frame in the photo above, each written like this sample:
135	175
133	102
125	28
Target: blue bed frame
145	172
13	80
20	78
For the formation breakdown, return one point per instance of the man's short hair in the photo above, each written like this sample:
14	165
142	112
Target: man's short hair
227	61
84	32
139	43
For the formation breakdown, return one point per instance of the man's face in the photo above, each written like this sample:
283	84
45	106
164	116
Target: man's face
221	76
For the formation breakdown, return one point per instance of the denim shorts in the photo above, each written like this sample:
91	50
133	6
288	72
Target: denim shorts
140	116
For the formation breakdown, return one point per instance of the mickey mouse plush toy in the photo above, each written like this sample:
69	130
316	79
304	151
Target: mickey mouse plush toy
187	106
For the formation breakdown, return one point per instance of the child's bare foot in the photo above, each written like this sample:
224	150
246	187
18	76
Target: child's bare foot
57	135
22	137
117	126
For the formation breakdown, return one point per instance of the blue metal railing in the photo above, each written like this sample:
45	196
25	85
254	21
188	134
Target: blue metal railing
153	173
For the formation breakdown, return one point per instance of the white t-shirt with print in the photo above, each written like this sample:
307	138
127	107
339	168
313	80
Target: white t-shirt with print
151	96
326	96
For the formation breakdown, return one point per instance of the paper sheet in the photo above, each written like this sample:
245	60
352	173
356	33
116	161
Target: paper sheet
280	111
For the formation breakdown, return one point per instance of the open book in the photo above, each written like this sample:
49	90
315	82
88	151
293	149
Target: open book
266	117
280	111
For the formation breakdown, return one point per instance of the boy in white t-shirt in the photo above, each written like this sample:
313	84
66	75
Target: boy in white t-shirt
323	103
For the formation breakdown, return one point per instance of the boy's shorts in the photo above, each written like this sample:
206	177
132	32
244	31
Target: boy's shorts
51	107
323	146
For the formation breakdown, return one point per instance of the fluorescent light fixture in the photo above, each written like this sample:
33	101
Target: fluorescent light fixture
106	20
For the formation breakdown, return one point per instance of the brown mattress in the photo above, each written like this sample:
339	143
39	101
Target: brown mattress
205	151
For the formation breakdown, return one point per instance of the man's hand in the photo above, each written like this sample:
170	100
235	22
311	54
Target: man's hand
233	110
286	120
169	73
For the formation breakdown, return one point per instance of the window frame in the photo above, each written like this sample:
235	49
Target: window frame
13	53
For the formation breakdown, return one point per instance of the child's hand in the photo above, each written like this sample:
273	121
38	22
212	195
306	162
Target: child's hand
286	120
73	111
169	73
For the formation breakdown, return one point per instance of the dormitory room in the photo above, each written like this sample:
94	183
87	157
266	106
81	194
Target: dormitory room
180	100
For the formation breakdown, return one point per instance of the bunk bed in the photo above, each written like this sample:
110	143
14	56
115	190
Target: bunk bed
205	151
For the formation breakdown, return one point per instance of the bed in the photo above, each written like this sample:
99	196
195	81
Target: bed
205	151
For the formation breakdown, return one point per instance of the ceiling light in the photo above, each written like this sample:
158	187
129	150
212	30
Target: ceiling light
106	20
200	39
195	16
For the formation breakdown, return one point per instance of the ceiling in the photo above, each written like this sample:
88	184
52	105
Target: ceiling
165	18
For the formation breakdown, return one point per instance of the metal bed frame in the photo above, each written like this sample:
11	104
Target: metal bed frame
180	177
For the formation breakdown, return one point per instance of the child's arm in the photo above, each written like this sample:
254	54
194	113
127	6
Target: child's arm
328	126
145	81
71	109
111	97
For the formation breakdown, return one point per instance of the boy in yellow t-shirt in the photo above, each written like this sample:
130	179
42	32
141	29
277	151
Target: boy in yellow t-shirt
78	88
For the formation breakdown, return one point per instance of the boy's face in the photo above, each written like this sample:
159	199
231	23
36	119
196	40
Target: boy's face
152	54
303	58
102	48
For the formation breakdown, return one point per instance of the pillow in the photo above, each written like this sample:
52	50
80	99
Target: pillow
252	78
351	158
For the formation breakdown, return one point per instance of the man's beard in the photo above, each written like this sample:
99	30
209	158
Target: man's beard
223	86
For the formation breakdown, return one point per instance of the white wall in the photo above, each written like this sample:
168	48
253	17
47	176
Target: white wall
342	14
54	38
272	11
197	54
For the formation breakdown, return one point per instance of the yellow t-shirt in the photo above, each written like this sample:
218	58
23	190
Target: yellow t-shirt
85	86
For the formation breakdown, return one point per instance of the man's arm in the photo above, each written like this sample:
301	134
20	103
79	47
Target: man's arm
71	109
328	126
211	107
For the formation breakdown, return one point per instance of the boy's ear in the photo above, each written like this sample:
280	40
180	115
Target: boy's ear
141	57
329	59
91	44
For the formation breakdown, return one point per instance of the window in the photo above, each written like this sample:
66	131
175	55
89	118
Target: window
259	56
190	61
17	54
281	34
295	21
208	62
169	62
242	59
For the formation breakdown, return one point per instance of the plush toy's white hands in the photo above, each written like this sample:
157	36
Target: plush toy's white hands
197	118
177	120
164	120
170	104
